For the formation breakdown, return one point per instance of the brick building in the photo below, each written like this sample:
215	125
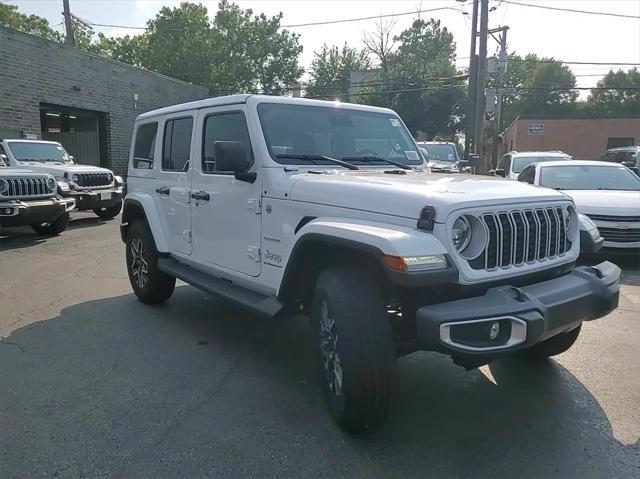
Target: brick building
584	138
85	101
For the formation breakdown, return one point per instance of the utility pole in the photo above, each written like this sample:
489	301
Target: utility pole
481	83
68	24
471	97
502	68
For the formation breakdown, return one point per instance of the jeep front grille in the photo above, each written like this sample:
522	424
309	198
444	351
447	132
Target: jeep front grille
519	237
27	188
87	180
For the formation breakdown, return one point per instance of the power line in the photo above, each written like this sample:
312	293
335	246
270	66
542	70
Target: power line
572	10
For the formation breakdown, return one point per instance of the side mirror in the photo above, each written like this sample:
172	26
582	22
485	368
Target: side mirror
232	156
472	159
4	161
499	172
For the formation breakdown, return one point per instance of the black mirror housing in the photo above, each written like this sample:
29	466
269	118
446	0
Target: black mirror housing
233	156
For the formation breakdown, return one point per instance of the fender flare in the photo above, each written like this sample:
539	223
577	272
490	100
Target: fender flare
151	215
373	239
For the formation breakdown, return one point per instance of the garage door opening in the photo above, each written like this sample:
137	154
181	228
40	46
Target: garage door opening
81	132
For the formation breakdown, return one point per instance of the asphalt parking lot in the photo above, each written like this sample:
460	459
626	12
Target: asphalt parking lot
95	384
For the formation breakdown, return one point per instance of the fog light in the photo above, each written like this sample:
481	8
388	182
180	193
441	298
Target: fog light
494	331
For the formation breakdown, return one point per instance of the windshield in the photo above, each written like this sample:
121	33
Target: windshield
521	162
440	152
32	151
294	130
583	177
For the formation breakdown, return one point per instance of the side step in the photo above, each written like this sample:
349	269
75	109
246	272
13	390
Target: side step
256	302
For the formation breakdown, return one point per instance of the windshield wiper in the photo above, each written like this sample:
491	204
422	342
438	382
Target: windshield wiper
311	158
371	159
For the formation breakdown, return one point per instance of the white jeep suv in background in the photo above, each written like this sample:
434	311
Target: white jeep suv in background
512	163
92	188
290	205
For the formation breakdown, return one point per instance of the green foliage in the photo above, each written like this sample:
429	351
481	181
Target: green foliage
539	85
617	102
331	68
33	24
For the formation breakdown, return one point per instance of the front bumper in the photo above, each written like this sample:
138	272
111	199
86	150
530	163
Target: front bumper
20	213
525	316
94	199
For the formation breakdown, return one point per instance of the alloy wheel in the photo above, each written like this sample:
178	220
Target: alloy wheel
139	265
329	348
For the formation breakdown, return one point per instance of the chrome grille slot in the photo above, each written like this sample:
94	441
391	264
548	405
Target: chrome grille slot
526	236
88	180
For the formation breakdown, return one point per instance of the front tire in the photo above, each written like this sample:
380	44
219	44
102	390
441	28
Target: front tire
53	229
354	345
552	346
149	284
108	212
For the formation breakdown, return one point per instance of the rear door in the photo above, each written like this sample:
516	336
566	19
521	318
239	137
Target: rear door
173	185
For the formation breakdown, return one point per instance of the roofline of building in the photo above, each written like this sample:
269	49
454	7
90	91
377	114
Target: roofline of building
569	116
111	60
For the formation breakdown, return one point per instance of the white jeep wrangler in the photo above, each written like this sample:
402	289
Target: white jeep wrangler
285	205
92	188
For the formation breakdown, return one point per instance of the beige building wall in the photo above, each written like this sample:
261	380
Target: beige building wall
584	139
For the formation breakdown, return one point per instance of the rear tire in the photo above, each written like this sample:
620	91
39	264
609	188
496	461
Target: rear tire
55	228
354	345
149	284
108	212
552	346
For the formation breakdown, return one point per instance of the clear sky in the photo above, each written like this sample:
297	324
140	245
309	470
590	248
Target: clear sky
563	35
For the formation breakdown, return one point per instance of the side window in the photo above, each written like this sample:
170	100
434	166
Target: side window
222	127
528	175
177	144
507	164
145	146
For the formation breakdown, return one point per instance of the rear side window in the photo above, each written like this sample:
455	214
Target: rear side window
145	146
222	127
177	144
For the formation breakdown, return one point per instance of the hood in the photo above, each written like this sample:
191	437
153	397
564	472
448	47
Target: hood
606	202
59	169
12	171
406	194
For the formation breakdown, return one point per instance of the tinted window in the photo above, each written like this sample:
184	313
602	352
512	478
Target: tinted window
441	152
618	142
224	127
583	177
528	175
145	146
334	131
521	162
177	144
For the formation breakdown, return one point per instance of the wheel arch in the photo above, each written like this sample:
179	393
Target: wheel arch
142	207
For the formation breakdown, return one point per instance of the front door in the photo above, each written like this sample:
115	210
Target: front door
225	212
173	186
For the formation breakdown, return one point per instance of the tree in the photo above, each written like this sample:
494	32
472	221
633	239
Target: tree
622	98
33	24
380	43
536	85
331	68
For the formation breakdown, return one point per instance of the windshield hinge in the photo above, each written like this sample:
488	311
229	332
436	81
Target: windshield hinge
186	235
254	253
254	205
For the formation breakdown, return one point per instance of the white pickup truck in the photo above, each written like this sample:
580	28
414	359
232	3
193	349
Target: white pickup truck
290	205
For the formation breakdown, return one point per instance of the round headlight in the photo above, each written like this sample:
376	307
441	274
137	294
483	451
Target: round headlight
571	222
4	186
51	183
461	233
110	177
75	177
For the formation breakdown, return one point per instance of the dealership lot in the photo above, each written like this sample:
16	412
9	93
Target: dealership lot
95	384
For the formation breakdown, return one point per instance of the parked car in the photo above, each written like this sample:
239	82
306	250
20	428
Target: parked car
628	156
29	198
608	193
92	188
512	163
442	157
277	207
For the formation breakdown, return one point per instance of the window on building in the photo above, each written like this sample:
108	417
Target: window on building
618	142
224	127
177	144
145	146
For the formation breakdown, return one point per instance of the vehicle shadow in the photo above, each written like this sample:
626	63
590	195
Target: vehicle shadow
16	237
628	261
114	388
85	222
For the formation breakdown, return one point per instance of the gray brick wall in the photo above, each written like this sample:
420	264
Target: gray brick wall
34	71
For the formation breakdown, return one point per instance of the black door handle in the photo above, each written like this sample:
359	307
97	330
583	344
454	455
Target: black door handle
200	195
163	190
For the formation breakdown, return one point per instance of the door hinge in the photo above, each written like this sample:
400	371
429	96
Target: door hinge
254	253
186	234
254	205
